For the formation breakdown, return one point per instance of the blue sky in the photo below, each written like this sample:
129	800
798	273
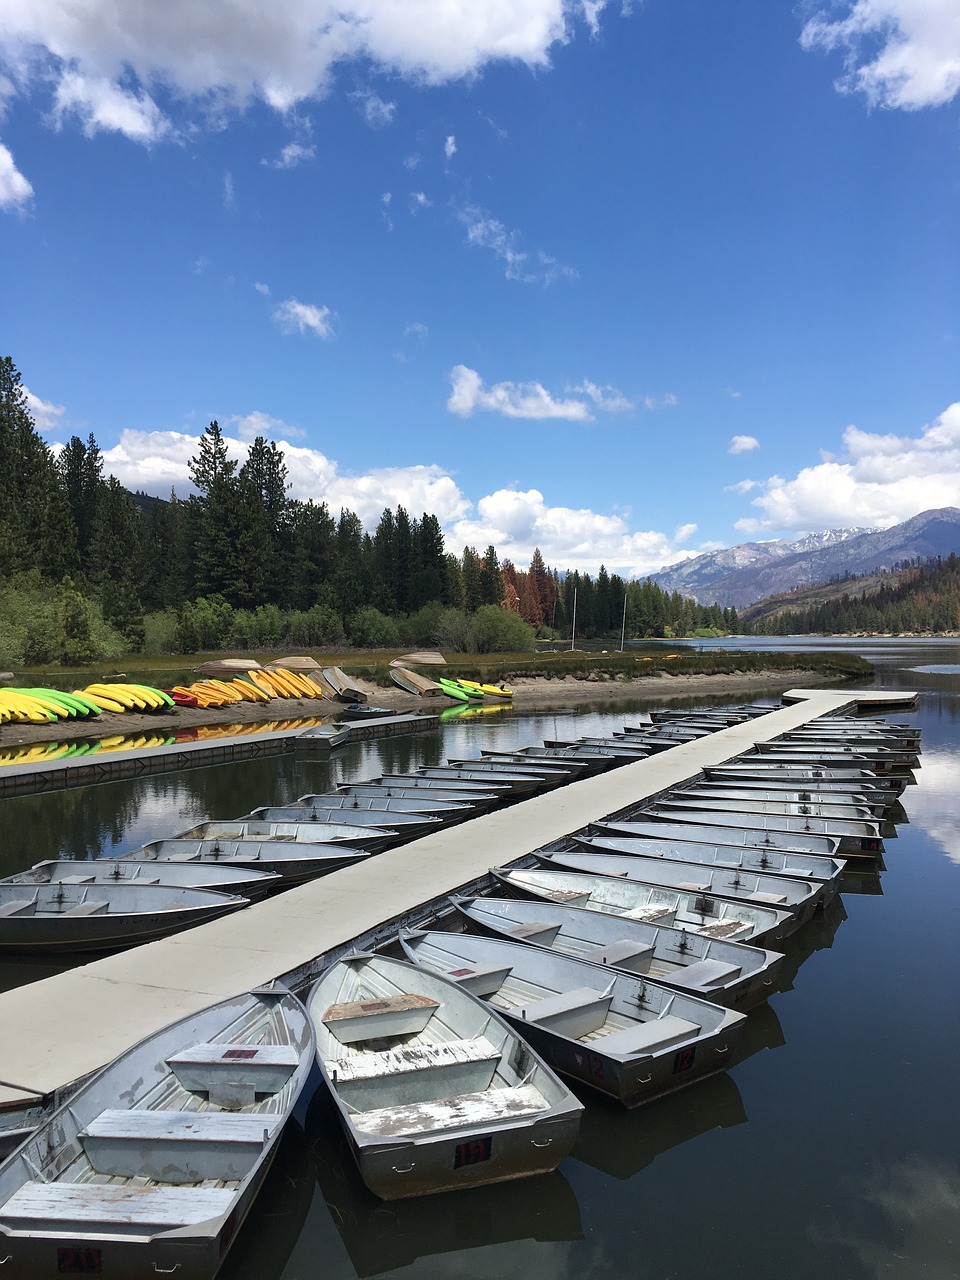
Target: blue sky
626	282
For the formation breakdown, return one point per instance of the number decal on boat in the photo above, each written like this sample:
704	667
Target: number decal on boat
473	1152
683	1058
75	1262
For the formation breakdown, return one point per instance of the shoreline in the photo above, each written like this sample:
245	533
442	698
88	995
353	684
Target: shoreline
530	695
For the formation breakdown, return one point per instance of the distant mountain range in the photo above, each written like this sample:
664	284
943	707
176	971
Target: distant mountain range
752	571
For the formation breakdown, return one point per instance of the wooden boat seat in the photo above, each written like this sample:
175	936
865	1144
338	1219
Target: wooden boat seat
572	1013
767	897
723	928
482	979
176	1146
571	897
89	1206
417	1073
233	1074
77	879
704	973
648	913
15	906
535	932
691	886
465	1111
624	953
648	1037
406	1014
86	909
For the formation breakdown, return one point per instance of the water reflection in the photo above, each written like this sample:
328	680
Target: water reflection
382	1236
901	1222
933	805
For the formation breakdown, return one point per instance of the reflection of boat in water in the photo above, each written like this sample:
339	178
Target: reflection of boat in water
816	935
278	1218
621	1143
381	1236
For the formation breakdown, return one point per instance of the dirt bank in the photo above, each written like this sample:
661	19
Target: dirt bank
529	695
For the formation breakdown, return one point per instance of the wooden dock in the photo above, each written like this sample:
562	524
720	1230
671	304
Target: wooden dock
59	1029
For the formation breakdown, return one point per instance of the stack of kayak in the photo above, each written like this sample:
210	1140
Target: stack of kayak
44	706
472	690
259	685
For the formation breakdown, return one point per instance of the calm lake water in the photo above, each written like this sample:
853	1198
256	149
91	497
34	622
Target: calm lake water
832	1149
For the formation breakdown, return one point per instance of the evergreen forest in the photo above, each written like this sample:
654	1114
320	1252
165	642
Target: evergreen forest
89	570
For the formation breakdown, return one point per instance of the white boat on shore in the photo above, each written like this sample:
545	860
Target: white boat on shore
728	973
151	1166
60	917
434	1093
623	1035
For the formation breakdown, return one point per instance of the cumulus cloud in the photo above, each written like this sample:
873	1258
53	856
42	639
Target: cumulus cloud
743	444
450	148
293	316
684	531
526	265
607	399
515	522
897	53
46	416
110	65
293	153
419	200
653	403
875	480
15	190
510	399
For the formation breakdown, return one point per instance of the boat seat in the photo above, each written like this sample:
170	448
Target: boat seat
482	979
128	1210
86	909
416	1073
767	897
648	913
353	1021
704	973
176	1146
691	886
76	880
572	1013
648	1037
723	928
233	1074
464	1111
16	906
624	953
537	931
571	897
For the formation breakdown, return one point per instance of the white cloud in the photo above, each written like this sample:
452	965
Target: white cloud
684	531
293	153
293	316
109	63
510	399
46	416
742	486
419	200
229	195
372	107
897	53
102	106
743	444
734	394
528	266
415	330
876	480
608	399
515	522
262	288
15	190
653	403
385	201
450	148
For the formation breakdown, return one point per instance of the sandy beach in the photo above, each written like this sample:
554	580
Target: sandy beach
528	695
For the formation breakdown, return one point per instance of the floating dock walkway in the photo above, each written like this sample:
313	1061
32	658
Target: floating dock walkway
59	1029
